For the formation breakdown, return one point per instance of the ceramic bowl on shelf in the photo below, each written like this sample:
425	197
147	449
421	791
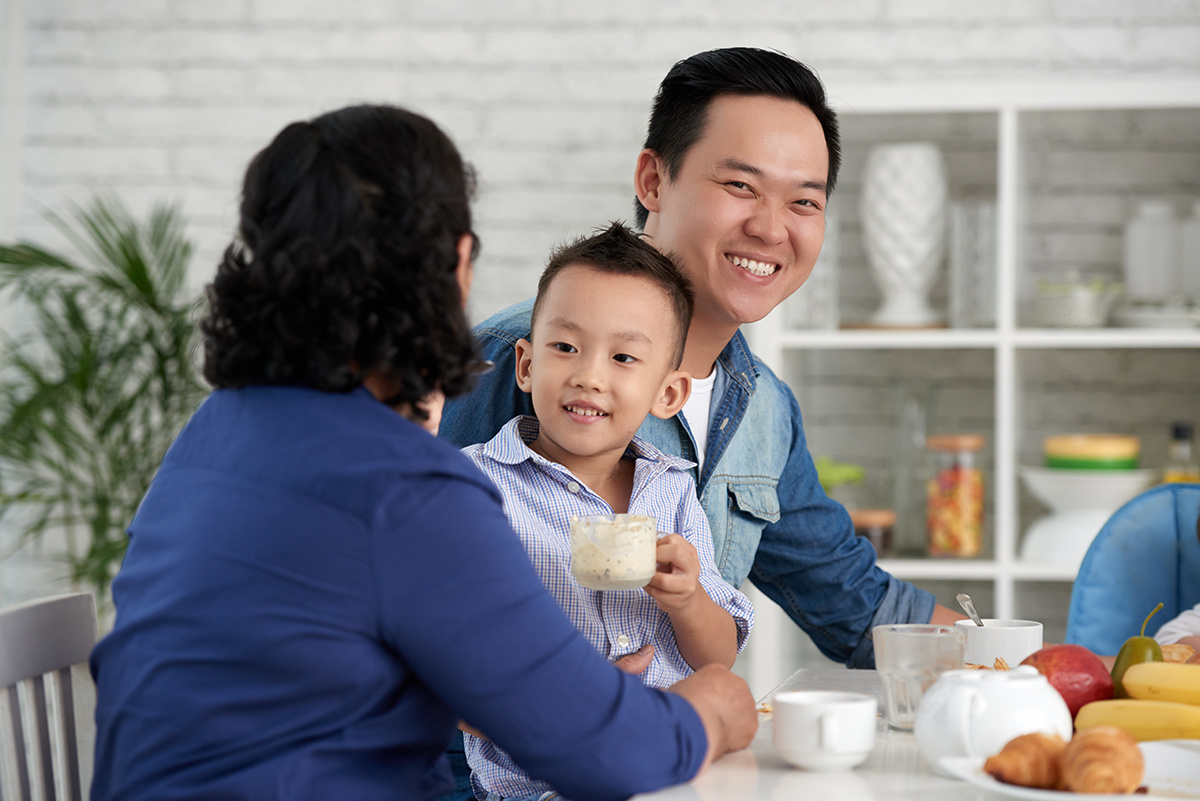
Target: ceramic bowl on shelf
1081	501
1071	490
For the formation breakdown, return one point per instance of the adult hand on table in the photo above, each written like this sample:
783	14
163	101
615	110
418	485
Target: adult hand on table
725	706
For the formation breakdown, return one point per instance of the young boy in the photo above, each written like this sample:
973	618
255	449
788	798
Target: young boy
609	325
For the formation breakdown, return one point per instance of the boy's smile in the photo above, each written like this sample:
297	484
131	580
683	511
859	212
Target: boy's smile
600	360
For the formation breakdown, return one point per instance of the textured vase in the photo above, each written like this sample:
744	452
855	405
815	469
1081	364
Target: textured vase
903	208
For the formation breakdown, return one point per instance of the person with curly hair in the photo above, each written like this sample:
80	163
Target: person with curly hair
308	561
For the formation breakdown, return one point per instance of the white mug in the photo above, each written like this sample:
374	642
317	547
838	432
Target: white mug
1010	640
824	731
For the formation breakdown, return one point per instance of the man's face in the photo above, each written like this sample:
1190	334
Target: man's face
601	353
745	213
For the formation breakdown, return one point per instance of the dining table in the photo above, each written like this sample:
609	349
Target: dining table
894	771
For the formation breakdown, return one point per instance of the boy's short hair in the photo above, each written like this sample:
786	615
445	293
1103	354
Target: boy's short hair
618	250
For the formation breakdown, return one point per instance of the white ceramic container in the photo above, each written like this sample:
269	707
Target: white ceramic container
974	713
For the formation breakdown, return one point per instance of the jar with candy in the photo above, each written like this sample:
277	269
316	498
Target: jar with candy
954	495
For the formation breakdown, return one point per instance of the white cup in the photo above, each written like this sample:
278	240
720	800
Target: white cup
826	732
1010	640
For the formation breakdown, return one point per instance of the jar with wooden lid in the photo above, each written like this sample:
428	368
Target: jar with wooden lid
876	525
954	495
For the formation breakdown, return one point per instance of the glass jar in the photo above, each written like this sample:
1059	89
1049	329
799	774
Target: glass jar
954	495
876	525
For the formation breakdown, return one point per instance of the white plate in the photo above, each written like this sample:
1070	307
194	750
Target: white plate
1172	771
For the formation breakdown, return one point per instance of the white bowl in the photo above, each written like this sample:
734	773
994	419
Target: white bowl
1077	490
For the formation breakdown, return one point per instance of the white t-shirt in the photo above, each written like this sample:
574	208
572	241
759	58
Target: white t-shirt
697	409
1186	625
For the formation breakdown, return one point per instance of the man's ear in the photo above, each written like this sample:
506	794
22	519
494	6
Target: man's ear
648	177
677	388
524	365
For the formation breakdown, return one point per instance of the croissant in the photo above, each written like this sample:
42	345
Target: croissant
1178	652
1031	760
1102	759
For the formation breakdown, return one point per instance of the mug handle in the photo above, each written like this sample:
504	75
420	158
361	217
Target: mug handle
827	731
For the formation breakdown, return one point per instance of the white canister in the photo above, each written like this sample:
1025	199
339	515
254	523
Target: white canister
1189	253
1152	252
974	713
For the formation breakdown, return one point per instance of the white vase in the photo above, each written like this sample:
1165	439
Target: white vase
903	210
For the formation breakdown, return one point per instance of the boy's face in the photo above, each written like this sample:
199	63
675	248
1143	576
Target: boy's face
601	359
751	189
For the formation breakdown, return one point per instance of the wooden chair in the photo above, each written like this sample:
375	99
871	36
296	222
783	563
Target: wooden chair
39	642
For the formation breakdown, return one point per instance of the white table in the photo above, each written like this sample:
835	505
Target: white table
894	770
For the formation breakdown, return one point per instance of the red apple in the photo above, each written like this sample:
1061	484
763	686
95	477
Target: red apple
1077	673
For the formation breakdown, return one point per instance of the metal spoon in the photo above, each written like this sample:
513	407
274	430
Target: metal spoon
964	601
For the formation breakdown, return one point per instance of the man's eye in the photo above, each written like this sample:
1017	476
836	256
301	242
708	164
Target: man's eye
737	185
563	347
624	358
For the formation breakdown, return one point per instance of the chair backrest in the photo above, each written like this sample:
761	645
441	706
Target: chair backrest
1147	552
39	642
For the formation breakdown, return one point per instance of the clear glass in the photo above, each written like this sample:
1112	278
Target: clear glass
613	552
909	658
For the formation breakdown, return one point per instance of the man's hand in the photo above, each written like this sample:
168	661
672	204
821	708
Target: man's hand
677	581
725	706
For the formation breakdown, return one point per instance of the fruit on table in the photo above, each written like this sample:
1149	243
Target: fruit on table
1077	673
1164	681
1144	720
1135	650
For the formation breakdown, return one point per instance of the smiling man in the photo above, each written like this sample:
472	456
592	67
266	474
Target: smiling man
741	154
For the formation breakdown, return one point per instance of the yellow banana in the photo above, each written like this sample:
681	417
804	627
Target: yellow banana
1144	720
1163	681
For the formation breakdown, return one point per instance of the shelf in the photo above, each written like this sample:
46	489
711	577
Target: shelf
988	569
1107	338
934	339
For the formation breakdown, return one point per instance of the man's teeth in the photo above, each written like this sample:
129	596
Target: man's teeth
756	267
586	412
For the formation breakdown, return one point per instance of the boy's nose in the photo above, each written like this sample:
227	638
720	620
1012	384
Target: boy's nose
589	374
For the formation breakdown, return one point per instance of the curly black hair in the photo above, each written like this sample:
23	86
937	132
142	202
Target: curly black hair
346	260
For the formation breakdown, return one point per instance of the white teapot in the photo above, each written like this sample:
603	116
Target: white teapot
974	713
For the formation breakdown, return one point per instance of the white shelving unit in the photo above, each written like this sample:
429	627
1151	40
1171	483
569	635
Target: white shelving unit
1005	136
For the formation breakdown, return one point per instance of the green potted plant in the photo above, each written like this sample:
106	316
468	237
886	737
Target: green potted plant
98	384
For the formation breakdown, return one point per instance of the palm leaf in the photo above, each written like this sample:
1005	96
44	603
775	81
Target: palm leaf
90	401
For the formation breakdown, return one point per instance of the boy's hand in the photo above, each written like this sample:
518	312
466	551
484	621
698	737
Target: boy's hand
677	581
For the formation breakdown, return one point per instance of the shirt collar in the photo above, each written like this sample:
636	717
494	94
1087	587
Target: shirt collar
738	362
510	446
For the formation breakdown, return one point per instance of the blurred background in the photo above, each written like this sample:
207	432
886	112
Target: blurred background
165	101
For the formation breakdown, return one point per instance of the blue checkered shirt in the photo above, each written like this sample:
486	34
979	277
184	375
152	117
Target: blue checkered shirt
540	497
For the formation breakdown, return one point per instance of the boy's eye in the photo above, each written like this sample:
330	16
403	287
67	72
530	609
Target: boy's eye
624	358
563	347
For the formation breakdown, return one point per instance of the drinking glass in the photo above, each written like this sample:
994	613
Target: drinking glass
613	552
909	658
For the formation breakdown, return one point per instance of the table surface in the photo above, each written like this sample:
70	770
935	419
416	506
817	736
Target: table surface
895	770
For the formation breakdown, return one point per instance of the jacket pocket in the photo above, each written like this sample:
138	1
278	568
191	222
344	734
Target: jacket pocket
751	508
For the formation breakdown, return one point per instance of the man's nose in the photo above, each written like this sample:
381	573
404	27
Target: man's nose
767	223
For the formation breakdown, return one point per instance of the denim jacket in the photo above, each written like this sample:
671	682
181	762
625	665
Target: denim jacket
771	521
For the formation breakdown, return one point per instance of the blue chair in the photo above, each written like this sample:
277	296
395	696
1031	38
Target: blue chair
1147	552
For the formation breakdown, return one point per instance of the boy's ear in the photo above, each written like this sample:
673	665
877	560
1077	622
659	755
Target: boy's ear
648	177
676	389
524	365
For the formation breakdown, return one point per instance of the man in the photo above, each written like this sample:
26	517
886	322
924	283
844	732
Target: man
740	157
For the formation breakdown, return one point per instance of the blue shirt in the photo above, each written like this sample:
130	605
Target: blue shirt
770	520
290	613
540	497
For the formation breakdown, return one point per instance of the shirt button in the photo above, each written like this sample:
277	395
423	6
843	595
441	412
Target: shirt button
573	488
623	641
